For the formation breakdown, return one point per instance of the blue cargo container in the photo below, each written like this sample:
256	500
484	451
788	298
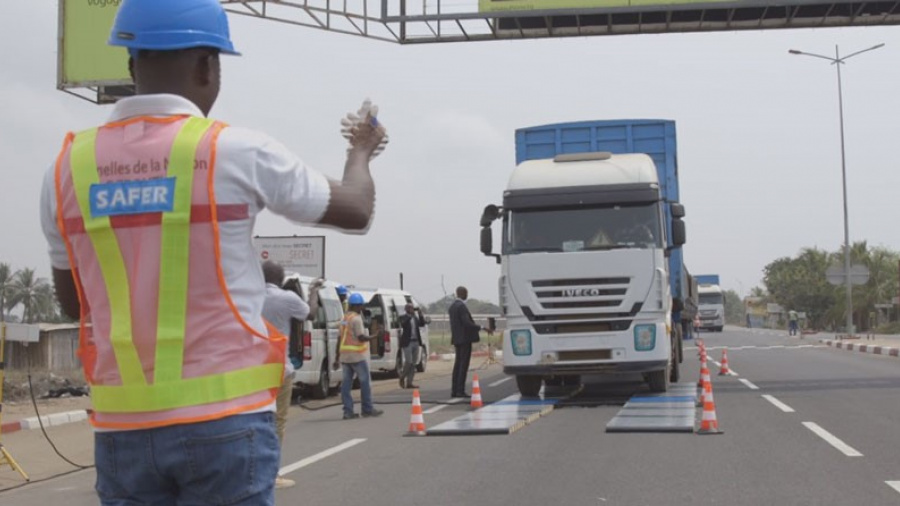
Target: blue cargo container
653	137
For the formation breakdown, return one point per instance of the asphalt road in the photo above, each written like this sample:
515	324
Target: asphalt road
803	424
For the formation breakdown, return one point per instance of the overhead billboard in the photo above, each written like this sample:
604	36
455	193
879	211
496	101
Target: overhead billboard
85	60
303	255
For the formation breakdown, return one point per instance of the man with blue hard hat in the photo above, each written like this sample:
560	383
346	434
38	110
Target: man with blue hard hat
353	358
149	220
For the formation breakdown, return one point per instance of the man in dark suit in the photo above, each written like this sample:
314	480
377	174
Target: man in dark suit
410	343
463	332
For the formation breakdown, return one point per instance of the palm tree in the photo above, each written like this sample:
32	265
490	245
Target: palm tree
32	292
6	284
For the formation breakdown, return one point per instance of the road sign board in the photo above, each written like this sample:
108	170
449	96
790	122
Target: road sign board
22	332
859	275
303	255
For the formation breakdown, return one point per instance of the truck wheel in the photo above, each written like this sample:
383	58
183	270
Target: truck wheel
320	389
659	380
423	359
529	386
571	380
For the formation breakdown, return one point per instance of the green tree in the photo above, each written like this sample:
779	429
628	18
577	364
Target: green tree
734	308
800	284
6	284
34	293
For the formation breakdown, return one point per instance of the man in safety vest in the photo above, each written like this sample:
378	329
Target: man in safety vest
149	220
353	356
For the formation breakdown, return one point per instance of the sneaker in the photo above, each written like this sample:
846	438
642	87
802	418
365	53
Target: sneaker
283	482
351	416
373	413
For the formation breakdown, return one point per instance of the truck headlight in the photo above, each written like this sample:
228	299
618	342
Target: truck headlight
644	337
521	342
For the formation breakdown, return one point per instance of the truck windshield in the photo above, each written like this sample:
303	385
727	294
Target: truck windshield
711	298
583	228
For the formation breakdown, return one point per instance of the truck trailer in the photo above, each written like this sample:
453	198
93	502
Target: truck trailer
592	278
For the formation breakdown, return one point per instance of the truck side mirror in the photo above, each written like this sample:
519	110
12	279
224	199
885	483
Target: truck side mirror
489	215
487	243
679	234
677	210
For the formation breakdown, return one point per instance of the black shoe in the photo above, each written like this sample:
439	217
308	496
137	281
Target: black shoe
462	395
373	413
402	383
412	386
351	416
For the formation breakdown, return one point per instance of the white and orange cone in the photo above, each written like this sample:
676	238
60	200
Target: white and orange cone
703	367
476	393
724	370
709	424
416	418
704	380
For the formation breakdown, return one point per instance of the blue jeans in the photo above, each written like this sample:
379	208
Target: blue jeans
365	386
231	461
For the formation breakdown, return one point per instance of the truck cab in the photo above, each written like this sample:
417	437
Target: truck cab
584	270
711	303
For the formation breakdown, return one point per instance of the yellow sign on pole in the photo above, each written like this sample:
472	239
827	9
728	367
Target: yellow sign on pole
84	57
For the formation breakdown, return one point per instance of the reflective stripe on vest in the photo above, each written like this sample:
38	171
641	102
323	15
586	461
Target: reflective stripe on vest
168	390
349	342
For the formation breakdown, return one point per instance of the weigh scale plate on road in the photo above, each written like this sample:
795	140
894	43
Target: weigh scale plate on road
672	411
502	417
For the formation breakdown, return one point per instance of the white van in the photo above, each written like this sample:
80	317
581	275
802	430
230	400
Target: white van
383	309
316	340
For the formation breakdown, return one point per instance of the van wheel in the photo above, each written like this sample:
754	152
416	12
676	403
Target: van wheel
423	360
320	389
529	386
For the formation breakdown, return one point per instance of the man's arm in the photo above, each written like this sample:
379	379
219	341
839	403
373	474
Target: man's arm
352	200
66	293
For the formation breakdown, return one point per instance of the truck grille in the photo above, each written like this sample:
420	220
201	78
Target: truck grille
602	297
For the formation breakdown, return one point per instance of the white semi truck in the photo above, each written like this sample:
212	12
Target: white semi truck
586	249
711	303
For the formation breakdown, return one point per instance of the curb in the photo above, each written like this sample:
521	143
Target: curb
863	348
48	421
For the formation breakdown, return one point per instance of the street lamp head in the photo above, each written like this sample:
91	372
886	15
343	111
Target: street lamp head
794	51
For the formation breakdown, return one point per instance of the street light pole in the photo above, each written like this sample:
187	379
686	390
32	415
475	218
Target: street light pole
837	61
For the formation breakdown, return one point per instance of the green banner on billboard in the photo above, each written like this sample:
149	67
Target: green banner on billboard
535	5
85	58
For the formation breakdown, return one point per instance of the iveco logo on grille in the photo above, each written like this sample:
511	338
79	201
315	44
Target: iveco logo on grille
581	292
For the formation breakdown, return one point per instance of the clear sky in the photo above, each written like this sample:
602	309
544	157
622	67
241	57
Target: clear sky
758	137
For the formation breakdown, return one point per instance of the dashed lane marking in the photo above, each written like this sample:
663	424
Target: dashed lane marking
750	385
498	382
319	456
435	409
832	440
778	404
894	485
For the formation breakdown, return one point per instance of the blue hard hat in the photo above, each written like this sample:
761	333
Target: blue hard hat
356	299
166	25
341	290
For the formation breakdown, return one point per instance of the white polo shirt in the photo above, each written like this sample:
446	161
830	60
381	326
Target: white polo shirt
253	172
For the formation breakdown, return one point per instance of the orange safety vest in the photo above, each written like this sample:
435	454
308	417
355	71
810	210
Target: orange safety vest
161	342
349	342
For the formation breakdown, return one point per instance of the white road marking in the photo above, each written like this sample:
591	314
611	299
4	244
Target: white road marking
751	386
319	456
832	440
435	409
498	382
778	404
455	400
894	485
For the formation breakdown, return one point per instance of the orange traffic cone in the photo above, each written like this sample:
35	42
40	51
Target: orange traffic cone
703	367
476	393
704	380
724	370
701	348
416	419
709	424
